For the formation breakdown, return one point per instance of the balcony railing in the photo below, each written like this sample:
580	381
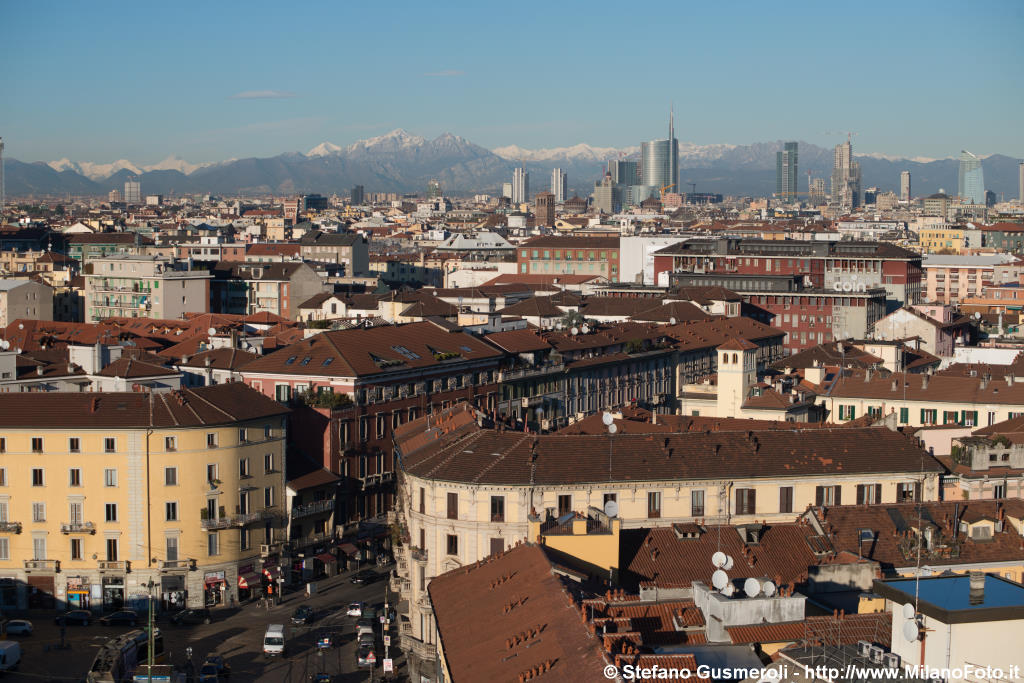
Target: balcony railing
238	519
10	527
313	508
175	564
114	565
78	528
530	371
43	565
418	554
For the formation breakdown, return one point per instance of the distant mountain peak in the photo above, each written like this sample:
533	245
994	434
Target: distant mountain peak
323	149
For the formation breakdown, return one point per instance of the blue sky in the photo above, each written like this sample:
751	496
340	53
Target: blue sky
215	80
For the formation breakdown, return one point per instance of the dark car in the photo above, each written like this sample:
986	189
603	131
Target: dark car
365	576
366	656
303	615
76	616
191	616
125	617
214	669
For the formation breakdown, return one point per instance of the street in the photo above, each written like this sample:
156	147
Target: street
237	635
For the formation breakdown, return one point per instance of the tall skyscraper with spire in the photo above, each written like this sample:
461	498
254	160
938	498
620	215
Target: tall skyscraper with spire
659	160
786	172
972	178
845	177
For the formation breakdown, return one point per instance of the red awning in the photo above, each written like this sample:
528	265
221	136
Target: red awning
348	548
272	573
249	580
326	557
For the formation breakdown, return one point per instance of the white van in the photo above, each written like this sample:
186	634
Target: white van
10	655
273	641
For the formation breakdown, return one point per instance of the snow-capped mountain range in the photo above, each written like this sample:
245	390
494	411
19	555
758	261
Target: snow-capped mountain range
99	171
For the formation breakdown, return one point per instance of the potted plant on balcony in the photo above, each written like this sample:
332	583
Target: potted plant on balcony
214	483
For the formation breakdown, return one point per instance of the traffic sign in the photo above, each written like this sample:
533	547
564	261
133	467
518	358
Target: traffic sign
382	618
371	658
387	641
389	666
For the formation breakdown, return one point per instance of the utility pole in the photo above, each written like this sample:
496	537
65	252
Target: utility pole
150	618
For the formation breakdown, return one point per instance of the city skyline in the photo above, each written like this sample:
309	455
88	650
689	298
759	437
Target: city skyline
212	94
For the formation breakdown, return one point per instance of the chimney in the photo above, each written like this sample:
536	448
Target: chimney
1009	380
894	384
868	374
977	591
984	382
924	382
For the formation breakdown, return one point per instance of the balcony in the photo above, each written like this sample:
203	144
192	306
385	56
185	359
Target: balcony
114	565
418	554
268	549
316	507
42	565
380	479
167	565
10	527
525	371
224	521
78	528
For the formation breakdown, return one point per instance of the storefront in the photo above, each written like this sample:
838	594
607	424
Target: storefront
8	593
250	582
328	564
273	578
173	595
215	587
113	593
40	592
78	592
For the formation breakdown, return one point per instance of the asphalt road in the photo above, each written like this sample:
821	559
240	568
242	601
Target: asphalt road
236	634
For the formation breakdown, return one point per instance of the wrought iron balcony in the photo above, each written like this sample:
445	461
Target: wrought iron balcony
115	565
10	527
418	554
175	564
78	528
316	507
42	565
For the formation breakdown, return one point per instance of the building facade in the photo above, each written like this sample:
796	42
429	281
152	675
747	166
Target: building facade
786	172
971	179
143	287
559	185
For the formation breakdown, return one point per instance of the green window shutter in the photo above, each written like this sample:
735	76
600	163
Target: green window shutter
904	415
922	415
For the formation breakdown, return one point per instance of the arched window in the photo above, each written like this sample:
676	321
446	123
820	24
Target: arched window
725	359
735	359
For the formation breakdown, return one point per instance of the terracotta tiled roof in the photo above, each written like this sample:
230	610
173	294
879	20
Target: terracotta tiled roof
221	359
937	388
735	344
510	615
844	629
129	368
559	242
519	341
211	405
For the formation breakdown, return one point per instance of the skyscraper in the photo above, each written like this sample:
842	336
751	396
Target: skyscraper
559	184
845	177
520	185
972	178
785	172
357	195
607	196
660	160
624	172
905	186
132	192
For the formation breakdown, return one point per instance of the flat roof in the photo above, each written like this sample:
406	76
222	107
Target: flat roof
949	599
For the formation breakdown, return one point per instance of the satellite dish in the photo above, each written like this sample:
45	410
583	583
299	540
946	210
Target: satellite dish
672	321
613	428
586	329
21	326
768	589
607	418
719	579
728	563
575	331
718	559
909	611
212	331
611	508
910	631
752	587
5	344
977	316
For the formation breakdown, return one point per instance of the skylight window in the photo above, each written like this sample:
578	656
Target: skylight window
290	360
327	361
305	361
411	355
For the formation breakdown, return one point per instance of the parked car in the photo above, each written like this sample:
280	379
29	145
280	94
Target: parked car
10	655
366	656
214	669
191	616
324	640
355	609
125	617
303	615
18	627
365	576
80	617
367	639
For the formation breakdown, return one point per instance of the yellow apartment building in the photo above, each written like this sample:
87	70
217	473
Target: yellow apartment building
108	497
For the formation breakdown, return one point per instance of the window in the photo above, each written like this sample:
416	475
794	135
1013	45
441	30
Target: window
170	476
827	495
999	491
37	444
3	444
38	512
785	499
211	440
211	472
928	416
76	548
171	511
268	463
908	492
266	431
242	436
5	550
564	505
171	544
110	477
3	476
268	497
847	412
610	496
74	445
37	477
745	501
39	548
869	494
452	544
244	541
109	445
170	443
497	508
212	546
453	506
74	477
654	504
243	467
697	503
904	415
111	512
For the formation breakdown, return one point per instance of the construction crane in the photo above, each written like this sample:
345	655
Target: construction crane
661	192
693	187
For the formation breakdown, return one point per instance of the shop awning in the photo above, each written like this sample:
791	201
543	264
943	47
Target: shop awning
272	573
326	557
249	580
348	548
